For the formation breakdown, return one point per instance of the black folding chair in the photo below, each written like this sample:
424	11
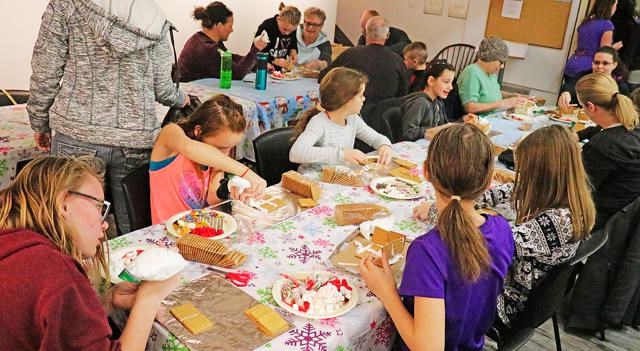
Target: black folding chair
545	299
272	154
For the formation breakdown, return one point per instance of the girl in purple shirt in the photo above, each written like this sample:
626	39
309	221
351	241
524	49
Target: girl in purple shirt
453	273
595	31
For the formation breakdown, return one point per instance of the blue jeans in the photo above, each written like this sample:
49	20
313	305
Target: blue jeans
119	162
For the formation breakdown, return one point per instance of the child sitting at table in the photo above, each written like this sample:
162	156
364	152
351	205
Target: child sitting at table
415	58
326	133
453	273
190	157
554	210
283	43
425	110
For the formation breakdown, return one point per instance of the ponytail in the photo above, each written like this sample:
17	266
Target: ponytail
461	181
465	241
625	111
601	90
303	121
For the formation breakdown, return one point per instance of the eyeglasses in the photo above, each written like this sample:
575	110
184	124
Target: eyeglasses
104	205
604	63
311	24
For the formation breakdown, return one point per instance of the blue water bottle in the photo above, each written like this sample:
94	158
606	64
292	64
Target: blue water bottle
226	63
261	71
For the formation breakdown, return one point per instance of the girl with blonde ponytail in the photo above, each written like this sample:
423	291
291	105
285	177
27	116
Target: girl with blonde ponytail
612	155
454	273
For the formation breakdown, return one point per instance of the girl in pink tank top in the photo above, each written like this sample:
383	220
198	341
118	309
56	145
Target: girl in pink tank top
190	157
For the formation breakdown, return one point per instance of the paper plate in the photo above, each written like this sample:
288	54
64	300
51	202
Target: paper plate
230	224
397	188
517	117
285	77
277	296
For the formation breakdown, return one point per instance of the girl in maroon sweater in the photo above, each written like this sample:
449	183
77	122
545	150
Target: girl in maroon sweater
52	222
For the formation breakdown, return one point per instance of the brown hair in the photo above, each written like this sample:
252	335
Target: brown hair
34	201
216	114
290	14
601	10
216	12
468	180
339	86
550	174
416	50
601	90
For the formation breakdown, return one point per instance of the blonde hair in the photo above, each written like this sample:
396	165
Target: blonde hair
601	90
34	201
317	12
550	174
416	50
290	14
468	180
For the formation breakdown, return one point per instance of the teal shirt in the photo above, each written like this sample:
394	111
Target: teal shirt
475	85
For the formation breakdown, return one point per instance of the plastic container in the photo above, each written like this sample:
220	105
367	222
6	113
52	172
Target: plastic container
226	64
261	71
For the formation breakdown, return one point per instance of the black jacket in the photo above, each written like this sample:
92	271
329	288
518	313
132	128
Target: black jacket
396	41
607	291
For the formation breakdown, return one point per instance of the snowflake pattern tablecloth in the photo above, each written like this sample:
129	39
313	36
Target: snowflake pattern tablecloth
303	243
264	109
16	141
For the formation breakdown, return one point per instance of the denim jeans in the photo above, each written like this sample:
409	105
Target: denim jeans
119	162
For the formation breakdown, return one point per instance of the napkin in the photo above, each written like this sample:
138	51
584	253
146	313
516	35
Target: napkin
263	36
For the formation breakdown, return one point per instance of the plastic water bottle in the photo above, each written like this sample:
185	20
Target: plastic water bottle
226	64
261	71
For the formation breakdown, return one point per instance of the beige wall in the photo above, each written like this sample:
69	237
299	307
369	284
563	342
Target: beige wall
540	70
20	21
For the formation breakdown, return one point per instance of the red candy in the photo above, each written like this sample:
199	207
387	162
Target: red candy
206	232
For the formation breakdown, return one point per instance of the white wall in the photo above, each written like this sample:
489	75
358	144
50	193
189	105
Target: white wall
20	22
540	70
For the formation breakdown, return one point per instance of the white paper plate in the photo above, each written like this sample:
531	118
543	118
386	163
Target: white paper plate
277	296
116	260
517	117
285	77
230	224
419	189
561	120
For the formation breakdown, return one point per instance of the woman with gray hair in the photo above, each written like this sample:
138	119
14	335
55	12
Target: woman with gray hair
478	83
314	47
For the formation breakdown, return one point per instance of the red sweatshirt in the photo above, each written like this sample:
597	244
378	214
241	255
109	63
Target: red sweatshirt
47	302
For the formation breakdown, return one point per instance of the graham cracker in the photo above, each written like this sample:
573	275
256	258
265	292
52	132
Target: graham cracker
349	214
301	185
404	163
191	318
405	173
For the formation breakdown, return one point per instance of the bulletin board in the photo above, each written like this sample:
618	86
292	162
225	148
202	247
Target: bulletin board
542	22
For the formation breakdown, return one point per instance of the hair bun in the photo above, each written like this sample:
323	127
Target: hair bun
198	13
281	6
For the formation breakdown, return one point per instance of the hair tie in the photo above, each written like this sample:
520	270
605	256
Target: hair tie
455	197
320	108
615	95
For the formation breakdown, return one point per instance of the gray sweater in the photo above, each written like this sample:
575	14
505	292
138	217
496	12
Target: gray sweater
323	141
98	66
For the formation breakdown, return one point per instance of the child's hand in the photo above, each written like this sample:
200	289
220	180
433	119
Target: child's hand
421	211
258	185
124	295
384	155
379	280
354	156
155	291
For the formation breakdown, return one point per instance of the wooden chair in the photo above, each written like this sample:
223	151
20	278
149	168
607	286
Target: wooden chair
459	55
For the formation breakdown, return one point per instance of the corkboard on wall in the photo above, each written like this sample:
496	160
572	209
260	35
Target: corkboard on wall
542	23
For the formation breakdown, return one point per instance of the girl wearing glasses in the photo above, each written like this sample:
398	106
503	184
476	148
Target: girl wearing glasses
594	32
283	43
607	61
51	256
314	48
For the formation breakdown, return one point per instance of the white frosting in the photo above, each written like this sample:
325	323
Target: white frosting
156	263
239	183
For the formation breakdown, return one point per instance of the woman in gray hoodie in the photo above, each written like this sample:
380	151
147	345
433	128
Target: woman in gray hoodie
98	68
314	48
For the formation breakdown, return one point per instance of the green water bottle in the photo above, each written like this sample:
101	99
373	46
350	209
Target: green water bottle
226	64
